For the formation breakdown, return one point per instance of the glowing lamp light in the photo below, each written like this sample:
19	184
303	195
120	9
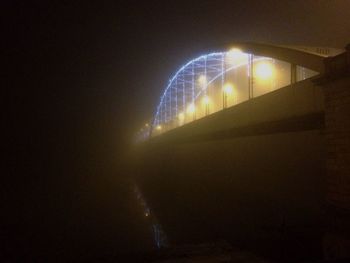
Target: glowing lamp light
206	100
235	56
202	81
235	52
228	88
191	109
181	116
264	70
159	127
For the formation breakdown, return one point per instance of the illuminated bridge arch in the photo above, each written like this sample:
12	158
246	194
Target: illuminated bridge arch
218	80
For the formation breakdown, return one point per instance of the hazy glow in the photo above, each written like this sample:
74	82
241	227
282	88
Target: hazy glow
181	116
205	100
235	52
191	108
264	70
235	56
228	88
202	81
159	127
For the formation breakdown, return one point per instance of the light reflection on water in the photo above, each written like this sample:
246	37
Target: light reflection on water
159	236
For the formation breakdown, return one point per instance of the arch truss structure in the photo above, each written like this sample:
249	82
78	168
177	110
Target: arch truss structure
218	80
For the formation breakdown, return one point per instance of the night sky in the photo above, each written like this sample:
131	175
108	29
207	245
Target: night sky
80	77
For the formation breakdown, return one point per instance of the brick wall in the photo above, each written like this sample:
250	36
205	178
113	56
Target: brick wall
336	86
337	125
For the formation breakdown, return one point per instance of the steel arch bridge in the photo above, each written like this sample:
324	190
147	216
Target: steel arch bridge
217	80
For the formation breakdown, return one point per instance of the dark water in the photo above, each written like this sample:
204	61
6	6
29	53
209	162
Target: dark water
60	217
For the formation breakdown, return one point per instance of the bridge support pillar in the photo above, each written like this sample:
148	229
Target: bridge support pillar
336	86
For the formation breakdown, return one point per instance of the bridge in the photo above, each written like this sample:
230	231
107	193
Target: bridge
219	80
251	144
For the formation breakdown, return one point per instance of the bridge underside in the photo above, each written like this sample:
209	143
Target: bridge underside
252	174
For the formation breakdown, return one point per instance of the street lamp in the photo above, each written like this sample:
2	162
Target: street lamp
264	71
206	103
191	110
202	81
181	118
235	56
227	91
